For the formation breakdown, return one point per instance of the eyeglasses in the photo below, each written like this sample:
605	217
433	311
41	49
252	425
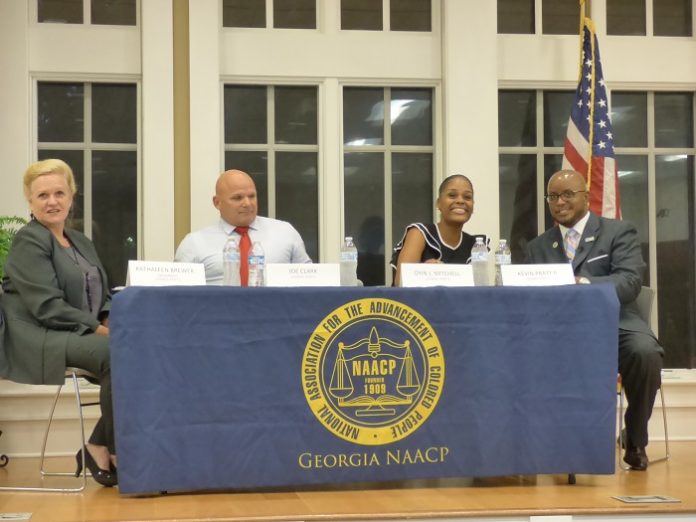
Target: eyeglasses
566	195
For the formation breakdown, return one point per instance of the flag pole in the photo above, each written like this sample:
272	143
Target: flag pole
591	29
582	23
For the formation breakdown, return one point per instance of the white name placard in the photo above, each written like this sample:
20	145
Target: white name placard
161	273
436	274
551	274
303	274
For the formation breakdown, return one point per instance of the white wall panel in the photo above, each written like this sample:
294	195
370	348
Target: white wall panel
157	140
84	49
206	109
15	137
470	105
345	54
555	58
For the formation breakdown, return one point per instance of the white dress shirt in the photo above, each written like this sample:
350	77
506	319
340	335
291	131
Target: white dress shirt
579	227
281	244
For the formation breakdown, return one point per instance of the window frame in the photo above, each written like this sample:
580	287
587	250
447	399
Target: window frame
87	146
388	149
651	152
600	13
318	26
86	16
270	147
386	19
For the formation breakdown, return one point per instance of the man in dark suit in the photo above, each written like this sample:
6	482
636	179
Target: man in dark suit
607	251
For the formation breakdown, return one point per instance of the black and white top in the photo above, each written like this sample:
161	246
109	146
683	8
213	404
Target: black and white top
436	248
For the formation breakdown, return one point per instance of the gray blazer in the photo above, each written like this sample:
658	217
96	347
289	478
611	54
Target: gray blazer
608	252
42	297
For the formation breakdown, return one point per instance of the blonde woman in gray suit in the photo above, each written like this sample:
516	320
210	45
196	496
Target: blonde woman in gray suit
56	303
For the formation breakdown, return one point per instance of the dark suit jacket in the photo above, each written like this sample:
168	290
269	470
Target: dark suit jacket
43	291
608	252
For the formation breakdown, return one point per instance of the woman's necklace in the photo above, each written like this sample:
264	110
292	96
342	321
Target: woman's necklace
88	291
74	253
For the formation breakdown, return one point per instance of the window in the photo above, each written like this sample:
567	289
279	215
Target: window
531	132
401	15
672	18
532	126
560	16
631	17
516	16
271	133
410	15
98	12
93	127
663	151
285	14
626	17
557	16
387	151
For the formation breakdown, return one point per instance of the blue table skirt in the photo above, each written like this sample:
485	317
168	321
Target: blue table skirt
234	388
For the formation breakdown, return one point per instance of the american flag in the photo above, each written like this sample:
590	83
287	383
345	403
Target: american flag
590	124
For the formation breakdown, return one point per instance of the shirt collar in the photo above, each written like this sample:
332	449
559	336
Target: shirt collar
579	226
228	229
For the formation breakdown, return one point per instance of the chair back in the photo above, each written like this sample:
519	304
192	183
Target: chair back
644	301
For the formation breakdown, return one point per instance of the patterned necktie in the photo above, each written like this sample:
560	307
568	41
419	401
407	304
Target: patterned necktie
244	248
571	243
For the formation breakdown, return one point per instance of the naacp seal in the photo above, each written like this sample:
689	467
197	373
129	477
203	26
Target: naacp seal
373	371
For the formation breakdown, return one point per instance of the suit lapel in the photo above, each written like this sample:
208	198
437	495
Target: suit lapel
587	241
555	246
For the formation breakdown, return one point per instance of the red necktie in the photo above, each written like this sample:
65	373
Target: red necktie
244	248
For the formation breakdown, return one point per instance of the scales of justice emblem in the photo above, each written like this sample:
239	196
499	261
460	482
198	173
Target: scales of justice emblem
373	371
387	379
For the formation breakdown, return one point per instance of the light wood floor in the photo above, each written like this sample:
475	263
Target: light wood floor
499	497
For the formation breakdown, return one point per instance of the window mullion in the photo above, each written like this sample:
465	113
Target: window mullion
295	147
87	180
387	180
652	193
270	130
540	163
537	17
269	17
649	24
693	172
425	149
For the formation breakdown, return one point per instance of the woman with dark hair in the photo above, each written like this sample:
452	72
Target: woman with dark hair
444	241
56	303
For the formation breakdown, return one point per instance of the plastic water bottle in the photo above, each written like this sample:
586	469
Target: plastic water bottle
349	263
257	265
502	257
479	262
230	262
